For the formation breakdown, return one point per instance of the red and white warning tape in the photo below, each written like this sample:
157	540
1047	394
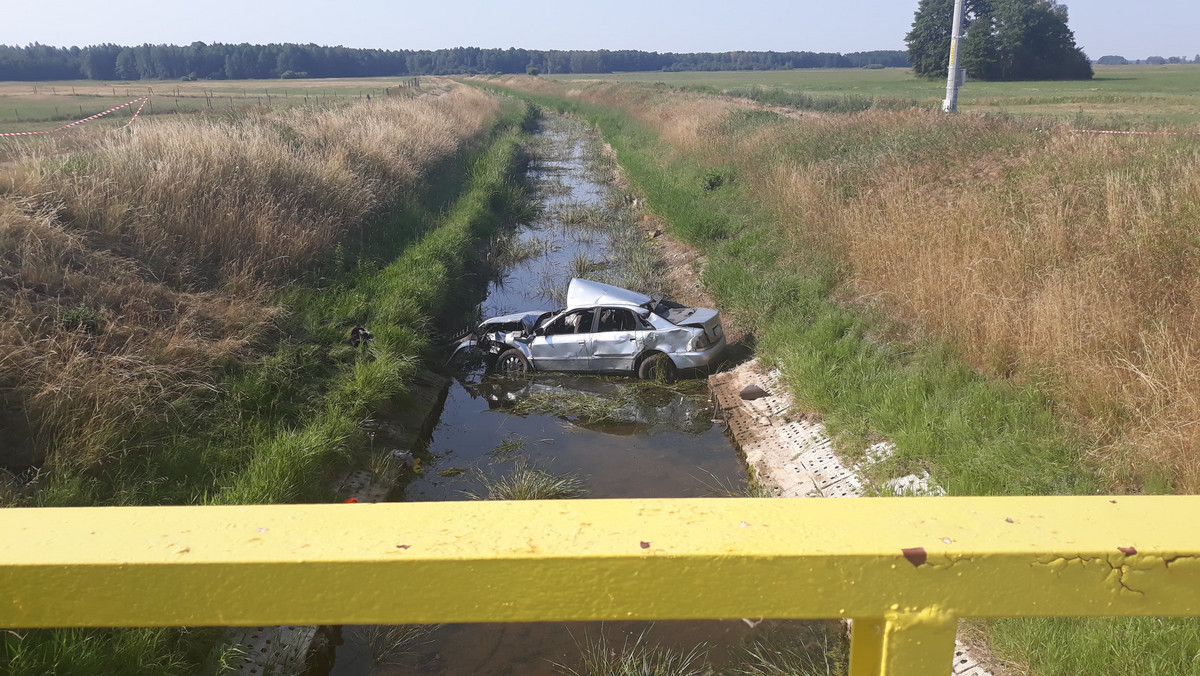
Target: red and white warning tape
142	100
1138	133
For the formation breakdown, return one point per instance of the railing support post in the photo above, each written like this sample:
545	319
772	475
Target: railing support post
866	646
903	644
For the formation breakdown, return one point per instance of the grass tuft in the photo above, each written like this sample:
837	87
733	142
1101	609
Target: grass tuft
602	657
803	649
388	644
528	483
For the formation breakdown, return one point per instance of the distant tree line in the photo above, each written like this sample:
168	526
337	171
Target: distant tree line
1115	60
232	62
1005	40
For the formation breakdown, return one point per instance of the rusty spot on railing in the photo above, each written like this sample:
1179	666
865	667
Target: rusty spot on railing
915	555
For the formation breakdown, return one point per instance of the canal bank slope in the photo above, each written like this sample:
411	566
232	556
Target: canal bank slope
278	417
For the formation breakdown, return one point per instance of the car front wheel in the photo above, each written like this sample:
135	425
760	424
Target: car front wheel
512	362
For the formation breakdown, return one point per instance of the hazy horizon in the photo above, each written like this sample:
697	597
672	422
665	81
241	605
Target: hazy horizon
1102	27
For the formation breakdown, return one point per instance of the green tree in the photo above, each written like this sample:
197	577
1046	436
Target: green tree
126	65
929	40
1005	40
100	62
980	55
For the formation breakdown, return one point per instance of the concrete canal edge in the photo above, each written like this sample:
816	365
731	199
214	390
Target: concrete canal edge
793	456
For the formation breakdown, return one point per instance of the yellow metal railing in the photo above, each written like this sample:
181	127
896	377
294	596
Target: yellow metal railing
904	568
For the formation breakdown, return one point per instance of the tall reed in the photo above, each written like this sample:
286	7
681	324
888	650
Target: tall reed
135	265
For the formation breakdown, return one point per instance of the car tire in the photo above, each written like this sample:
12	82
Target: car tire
512	362
657	366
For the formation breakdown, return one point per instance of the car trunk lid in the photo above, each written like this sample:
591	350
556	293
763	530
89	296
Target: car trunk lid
704	318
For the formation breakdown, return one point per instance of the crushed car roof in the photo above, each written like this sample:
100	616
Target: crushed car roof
586	293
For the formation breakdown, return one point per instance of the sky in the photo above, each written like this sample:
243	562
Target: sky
1130	29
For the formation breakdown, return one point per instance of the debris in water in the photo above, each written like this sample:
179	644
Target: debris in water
405	457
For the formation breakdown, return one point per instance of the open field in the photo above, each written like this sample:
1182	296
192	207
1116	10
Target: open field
1121	97
34	106
1133	96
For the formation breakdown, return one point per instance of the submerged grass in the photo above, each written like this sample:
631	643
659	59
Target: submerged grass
588	407
524	482
508	249
508	448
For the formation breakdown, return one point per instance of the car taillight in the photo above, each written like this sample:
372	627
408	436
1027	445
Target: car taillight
700	342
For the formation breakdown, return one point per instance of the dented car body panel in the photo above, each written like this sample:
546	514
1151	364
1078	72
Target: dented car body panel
605	329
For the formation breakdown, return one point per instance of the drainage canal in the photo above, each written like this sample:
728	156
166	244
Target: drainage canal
562	436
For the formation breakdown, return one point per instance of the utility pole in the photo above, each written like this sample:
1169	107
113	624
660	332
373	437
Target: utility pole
950	104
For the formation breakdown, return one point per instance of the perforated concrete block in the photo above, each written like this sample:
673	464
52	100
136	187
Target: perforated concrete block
274	650
965	663
795	458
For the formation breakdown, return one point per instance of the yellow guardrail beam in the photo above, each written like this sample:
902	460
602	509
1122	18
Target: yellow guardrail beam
906	567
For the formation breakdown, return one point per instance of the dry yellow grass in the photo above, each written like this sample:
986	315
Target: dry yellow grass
133	264
1067	260
1072	261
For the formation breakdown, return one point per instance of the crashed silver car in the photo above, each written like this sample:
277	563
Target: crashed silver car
604	329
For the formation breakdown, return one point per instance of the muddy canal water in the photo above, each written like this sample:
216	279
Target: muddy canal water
620	437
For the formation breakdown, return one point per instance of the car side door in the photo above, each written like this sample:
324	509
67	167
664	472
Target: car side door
562	345
617	340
